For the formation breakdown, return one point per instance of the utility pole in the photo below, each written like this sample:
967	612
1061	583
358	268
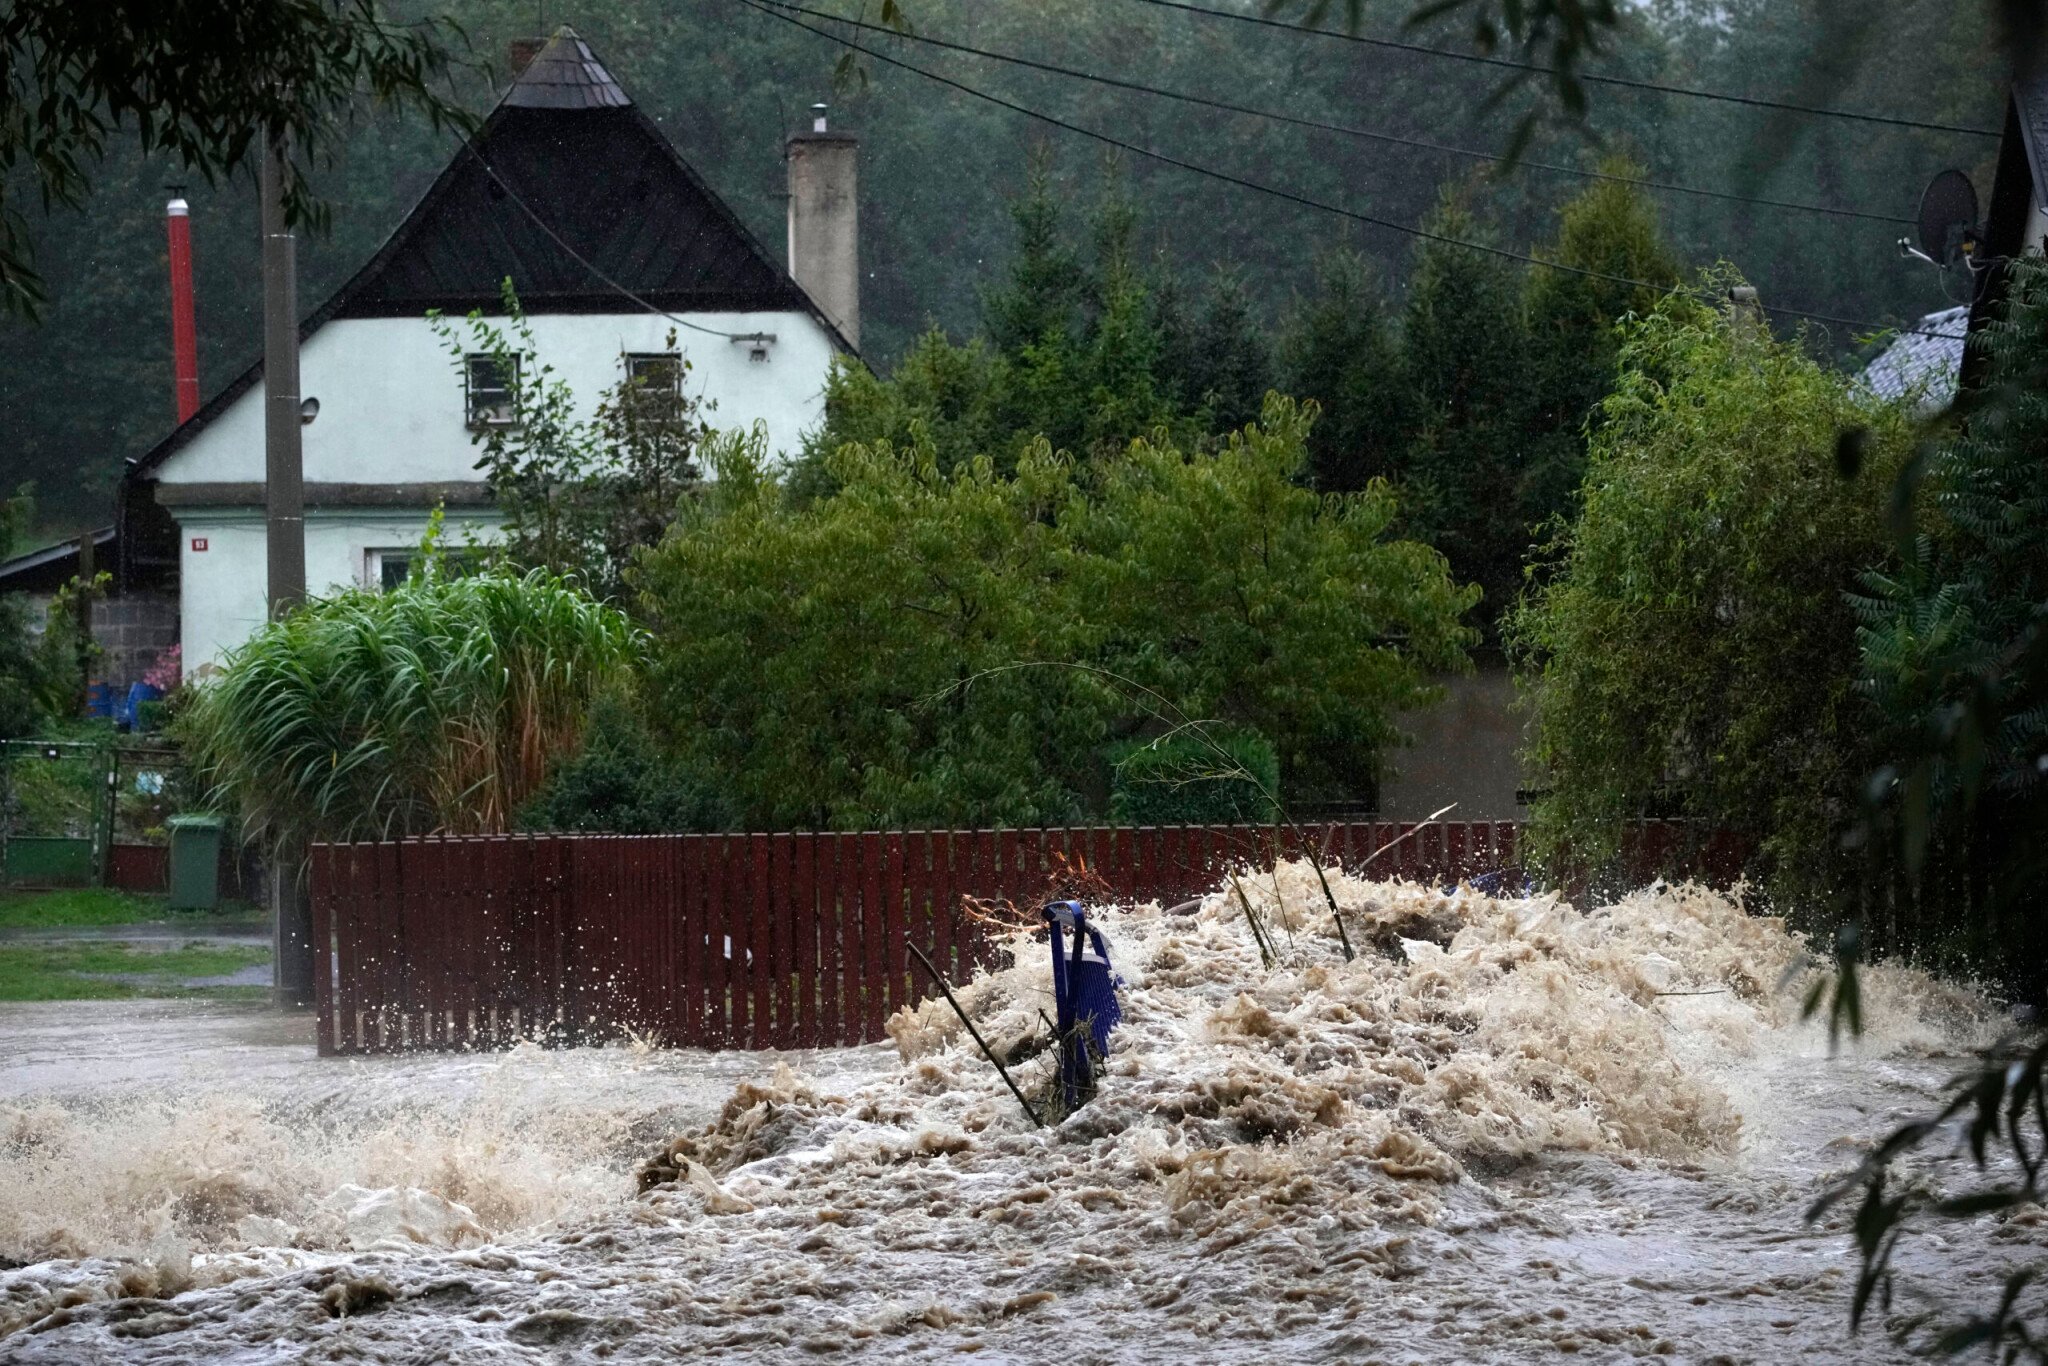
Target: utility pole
284	470
284	525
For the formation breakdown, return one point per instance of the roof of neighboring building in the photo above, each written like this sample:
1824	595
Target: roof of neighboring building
1922	364
572	192
50	568
2030	103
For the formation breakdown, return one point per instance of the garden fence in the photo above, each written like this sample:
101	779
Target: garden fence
752	940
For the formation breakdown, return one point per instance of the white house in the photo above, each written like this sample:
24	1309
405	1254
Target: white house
612	242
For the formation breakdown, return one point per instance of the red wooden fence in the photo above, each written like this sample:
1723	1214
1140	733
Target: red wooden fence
747	940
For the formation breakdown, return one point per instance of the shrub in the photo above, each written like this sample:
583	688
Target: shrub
928	645
439	706
1184	779
621	783
1692	650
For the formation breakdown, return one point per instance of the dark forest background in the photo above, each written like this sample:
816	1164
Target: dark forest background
91	384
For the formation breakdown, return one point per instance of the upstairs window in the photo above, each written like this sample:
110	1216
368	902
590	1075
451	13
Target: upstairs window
654	384
493	390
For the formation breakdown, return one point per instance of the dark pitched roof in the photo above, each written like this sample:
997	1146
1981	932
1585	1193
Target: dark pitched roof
564	75
573	192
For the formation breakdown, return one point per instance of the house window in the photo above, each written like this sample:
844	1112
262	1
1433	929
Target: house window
385	569
493	388
654	384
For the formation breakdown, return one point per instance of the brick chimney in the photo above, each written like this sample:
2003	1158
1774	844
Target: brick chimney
824	221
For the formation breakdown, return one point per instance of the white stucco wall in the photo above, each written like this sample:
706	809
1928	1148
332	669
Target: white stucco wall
392	411
223	588
392	405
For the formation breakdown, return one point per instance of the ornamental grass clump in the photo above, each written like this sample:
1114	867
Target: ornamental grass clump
437	707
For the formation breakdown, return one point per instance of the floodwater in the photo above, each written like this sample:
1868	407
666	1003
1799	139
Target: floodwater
1508	1131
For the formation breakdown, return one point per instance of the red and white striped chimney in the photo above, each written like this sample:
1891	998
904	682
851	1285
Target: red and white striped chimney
184	333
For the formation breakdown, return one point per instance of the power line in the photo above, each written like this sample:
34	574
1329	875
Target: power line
764	7
1347	131
1621	82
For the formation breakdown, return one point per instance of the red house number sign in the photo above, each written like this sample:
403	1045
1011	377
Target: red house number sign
198	543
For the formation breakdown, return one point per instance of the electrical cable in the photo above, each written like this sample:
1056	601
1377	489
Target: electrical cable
764	7
1319	126
1621	82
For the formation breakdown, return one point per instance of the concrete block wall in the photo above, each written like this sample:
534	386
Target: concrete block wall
133	630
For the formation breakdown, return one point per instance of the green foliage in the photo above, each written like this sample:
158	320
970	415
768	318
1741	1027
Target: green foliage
1342	351
1183	779
1950	644
1223	364
1691	651
21	708
1465	357
1611	229
581	495
825	663
441	705
1088	357
622	783
929	645
66	652
200	84
1224	584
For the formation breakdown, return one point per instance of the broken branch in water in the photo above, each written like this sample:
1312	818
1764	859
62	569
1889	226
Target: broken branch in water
1265	950
986	1051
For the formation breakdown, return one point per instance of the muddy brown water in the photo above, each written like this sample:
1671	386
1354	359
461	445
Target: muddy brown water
1497	1142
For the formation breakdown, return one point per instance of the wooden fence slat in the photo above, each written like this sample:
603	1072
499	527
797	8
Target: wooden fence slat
840	905
921	880
872	927
323	949
804	900
896	881
690	955
758	914
774	986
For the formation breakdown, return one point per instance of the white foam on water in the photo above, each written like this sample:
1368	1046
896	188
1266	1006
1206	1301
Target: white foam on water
1507	1129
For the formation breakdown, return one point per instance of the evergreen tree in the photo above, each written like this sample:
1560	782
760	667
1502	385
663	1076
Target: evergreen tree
1342	351
1231	360
1609	230
1466	357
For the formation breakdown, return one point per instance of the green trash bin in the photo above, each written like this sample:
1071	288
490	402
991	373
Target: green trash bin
195	862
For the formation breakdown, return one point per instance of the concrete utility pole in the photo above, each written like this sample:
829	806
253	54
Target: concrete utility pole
284	524
284	471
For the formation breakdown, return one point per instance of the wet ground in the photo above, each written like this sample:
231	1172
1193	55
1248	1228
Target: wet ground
1507	1147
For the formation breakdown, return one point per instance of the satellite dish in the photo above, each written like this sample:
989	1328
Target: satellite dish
1948	214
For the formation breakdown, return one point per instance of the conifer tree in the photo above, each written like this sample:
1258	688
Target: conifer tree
1609	230
1231	361
1343	351
1466	354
